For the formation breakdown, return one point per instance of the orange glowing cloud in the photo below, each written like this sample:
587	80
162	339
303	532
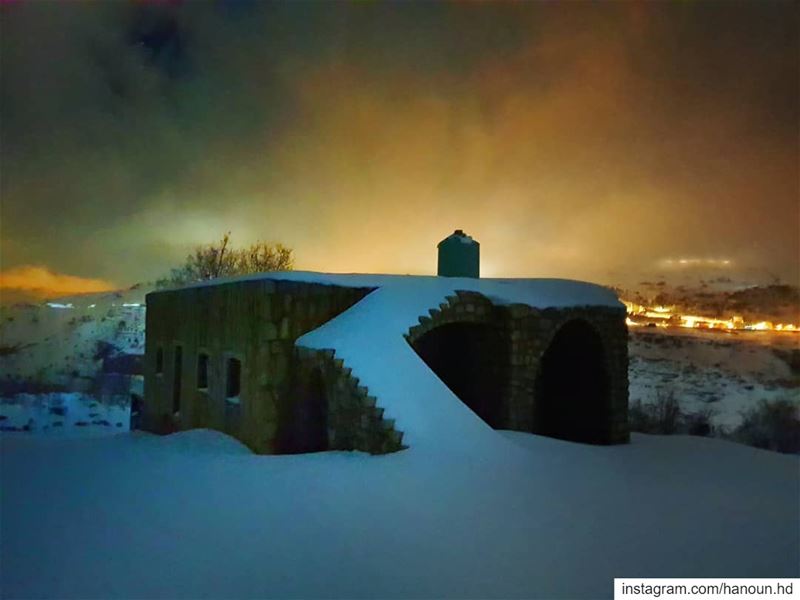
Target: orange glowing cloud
40	282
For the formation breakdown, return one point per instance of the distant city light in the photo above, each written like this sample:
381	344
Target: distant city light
695	262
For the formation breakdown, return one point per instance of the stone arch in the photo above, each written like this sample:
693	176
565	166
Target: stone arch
465	342
573	386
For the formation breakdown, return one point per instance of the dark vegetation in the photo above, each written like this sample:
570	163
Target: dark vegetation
222	260
772	425
792	359
12	386
10	349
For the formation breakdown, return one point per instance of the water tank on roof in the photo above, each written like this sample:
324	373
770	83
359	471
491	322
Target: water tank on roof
459	256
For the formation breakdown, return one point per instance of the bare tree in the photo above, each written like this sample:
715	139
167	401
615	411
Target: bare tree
220	260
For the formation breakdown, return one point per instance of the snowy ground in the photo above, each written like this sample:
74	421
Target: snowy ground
196	515
58	411
465	512
726	373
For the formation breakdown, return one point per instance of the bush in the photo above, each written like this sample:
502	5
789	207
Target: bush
700	423
791	358
220	260
9	349
664	416
771	425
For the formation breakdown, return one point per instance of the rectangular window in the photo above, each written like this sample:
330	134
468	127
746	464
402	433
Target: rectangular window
233	378
177	374
159	361
202	371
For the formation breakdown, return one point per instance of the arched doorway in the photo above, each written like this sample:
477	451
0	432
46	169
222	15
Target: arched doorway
307	427
572	391
470	358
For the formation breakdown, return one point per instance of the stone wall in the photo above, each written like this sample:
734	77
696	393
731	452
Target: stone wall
354	419
256	322
528	333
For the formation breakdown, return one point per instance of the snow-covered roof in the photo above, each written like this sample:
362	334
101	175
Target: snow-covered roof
538	293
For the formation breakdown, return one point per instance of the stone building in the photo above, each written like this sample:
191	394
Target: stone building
225	356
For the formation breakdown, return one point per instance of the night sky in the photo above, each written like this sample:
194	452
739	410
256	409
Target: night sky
588	140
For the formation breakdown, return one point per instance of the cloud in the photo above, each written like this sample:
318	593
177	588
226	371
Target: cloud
39	282
570	139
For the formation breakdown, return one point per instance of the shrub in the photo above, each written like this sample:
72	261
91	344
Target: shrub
663	416
700	423
220	260
791	358
771	425
9	349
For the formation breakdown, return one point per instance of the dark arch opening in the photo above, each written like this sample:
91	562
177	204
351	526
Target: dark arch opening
307	423
572	387
471	360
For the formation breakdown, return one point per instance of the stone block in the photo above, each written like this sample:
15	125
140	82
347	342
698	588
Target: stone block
269	331
284	329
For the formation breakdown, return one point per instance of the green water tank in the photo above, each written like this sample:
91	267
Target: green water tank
459	256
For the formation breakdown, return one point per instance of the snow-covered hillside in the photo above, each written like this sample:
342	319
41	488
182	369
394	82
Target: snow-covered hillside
717	371
195	515
67	362
55	343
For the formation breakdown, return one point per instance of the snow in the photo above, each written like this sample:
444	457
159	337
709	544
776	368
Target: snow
539	293
58	347
724	373
196	515
59	412
59	305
